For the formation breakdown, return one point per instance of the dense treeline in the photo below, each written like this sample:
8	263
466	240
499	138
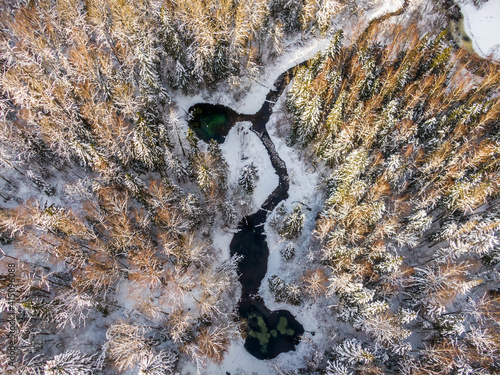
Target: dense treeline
86	99
408	236
91	80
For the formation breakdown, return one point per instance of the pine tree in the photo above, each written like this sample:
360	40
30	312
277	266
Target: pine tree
278	288
288	252
191	207
314	283
220	165
327	10
337	368
277	38
439	284
193	141
127	345
307	127
211	343
72	308
163	363
351	352
181	77
145	145
228	214
293	294
40	183
204	179
248	177
180	324
137	187
293	223
336	44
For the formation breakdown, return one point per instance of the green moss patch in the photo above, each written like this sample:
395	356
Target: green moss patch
258	329
282	327
263	336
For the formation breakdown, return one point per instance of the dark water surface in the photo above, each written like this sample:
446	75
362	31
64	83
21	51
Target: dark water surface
210	121
269	333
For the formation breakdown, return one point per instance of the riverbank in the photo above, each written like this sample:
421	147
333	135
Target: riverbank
479	28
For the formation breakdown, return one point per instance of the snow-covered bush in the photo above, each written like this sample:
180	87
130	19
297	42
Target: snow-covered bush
288	252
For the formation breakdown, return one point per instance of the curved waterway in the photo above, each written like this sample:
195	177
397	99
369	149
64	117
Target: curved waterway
269	333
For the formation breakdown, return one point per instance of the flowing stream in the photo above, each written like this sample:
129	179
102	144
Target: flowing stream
269	333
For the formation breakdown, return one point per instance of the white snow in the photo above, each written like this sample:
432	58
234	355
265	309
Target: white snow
482	25
221	241
242	147
381	7
238	361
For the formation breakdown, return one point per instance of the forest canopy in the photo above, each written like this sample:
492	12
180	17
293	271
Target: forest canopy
113	212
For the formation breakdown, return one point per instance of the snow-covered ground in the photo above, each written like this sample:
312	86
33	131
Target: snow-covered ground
242	147
482	25
237	361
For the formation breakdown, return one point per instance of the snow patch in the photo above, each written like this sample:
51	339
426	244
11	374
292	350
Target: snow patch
238	361
242	147
482	25
381	7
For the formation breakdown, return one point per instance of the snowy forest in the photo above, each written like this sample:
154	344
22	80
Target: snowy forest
116	217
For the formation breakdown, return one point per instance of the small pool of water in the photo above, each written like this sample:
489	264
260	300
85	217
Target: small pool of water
210	121
269	333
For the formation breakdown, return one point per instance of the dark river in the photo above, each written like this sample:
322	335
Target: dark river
269	333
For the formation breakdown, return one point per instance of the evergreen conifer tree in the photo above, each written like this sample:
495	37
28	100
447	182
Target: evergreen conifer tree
288	252
248	178
293	223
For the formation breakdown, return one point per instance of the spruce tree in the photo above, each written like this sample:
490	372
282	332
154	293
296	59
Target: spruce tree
288	252
293	223
248	177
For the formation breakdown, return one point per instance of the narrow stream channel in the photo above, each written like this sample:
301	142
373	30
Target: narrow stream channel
269	333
